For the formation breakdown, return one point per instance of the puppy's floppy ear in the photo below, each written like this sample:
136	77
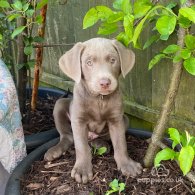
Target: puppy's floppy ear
70	62
127	57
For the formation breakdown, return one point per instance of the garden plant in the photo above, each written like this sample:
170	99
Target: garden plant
20	19
184	156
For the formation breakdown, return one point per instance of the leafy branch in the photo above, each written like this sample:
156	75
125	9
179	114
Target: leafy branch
28	11
128	20
22	15
186	154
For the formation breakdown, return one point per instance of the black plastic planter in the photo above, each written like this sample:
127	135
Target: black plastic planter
35	140
13	185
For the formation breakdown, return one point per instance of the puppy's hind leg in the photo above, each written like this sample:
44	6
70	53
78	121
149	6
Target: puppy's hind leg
63	125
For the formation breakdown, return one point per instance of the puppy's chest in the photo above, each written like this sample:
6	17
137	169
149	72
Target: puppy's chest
97	114
98	110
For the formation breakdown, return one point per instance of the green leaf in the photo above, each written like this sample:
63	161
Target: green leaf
141	7
28	40
94	14
177	59
114	184
128	25
164	37
176	156
107	28
18	31
101	151
25	7
139	27
151	40
30	12
166	24
1	37
17	5
138	31
183	139
123	38
115	17
121	187
110	192
185	53
165	154
39	19
4	4
189	65
193	7
183	1
171	5
38	39
91	17
155	60
184	22
171	49
117	4
188	13
103	12
185	159
31	63
126	7
190	41
13	16
41	4
28	50
192	141
175	136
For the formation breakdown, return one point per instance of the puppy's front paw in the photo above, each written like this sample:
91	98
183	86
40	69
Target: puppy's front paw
54	153
82	172
129	167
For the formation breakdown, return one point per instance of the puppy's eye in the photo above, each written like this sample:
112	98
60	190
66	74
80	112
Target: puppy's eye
89	63
112	60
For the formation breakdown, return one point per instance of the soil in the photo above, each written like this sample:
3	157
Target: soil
55	179
43	180
42	118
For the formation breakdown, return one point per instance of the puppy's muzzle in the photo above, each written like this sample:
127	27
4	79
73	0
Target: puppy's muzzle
105	83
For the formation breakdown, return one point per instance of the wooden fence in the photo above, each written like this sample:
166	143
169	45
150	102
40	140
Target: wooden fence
144	91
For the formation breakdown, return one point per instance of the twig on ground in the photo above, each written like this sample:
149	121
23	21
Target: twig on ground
52	172
189	190
55	164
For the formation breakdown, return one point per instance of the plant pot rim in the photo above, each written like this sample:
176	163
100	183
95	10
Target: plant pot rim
13	184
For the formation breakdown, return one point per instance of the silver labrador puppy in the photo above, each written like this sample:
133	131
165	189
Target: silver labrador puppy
96	108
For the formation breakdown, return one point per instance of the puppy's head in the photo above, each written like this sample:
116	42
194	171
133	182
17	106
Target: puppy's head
98	62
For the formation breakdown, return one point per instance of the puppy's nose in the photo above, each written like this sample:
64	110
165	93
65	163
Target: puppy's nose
105	83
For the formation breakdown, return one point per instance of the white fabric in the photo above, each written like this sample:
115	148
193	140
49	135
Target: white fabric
12	145
6	150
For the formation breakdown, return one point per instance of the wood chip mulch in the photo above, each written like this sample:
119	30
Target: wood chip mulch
55	179
42	118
